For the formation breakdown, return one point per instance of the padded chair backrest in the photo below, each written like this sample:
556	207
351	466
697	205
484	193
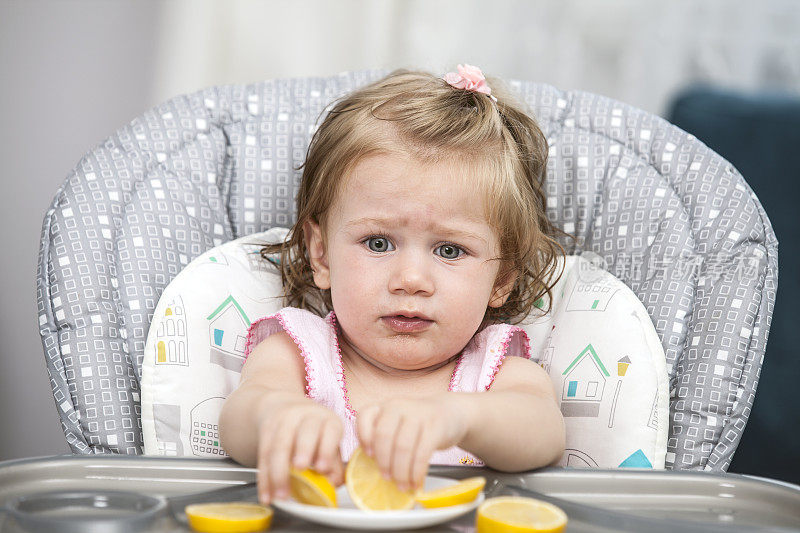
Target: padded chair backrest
668	216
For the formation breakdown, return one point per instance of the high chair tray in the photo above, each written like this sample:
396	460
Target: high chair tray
704	501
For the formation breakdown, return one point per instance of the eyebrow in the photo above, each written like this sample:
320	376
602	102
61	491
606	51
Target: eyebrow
436	228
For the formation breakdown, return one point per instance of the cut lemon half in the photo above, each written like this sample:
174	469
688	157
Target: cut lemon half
312	488
369	490
464	491
234	517
513	514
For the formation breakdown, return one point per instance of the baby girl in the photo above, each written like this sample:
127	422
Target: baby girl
421	236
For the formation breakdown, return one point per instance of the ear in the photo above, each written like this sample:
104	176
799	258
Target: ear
315	244
502	289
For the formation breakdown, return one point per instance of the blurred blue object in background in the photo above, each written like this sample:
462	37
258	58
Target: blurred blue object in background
760	135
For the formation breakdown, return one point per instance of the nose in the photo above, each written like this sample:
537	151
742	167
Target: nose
410	275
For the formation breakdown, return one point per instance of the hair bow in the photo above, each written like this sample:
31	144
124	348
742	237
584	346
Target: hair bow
469	78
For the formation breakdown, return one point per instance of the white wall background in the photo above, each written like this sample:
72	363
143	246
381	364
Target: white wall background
636	51
73	71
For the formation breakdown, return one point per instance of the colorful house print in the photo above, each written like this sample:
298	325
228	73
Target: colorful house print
584	383
258	263
205	428
636	460
653	420
227	329
217	258
168	429
592	296
546	359
171	341
577	459
622	368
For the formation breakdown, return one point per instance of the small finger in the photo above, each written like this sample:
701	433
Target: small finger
266	435
405	445
422	457
386	427
280	454
306	443
328	448
365	425
336	475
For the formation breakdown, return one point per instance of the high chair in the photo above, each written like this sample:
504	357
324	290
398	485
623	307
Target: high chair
668	216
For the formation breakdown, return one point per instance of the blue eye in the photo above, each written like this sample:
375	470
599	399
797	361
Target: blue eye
449	251
379	244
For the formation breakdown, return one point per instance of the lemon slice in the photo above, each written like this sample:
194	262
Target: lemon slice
312	488
369	490
235	517
513	514
464	491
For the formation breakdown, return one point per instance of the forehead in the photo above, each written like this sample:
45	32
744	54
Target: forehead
396	185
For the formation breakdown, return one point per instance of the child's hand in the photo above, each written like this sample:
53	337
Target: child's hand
402	434
302	434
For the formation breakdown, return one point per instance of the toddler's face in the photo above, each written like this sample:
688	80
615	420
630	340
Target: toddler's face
408	261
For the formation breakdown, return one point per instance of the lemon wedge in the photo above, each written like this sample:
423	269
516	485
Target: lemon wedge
513	514
234	517
312	488
369	490
464	491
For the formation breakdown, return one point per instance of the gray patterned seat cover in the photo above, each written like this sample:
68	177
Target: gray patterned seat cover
667	215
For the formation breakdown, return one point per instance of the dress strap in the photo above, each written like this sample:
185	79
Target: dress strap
315	337
482	357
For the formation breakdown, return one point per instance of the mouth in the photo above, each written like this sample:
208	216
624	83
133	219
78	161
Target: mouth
406	323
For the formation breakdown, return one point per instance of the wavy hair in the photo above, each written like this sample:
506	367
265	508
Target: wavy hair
426	117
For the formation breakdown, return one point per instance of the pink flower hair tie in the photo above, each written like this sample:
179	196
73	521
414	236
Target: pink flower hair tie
469	78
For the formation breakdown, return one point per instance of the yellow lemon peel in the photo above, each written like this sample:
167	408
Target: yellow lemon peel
369	490
231	517
312	488
464	491
513	514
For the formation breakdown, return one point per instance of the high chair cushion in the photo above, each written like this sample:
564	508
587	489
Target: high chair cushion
669	217
597	342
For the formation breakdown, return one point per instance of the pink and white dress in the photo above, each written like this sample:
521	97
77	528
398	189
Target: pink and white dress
318	341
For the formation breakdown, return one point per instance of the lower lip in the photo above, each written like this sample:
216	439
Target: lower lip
401	324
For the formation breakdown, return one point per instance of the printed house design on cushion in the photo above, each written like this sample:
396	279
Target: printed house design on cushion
593	295
171	343
575	458
622	369
578	459
205	427
546	359
636	460
218	259
258	263
168	428
227	330
653	421
584	384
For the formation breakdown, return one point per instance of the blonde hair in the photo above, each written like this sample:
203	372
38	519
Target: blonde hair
432	121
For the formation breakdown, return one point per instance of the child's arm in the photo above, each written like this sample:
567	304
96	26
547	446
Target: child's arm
269	422
515	426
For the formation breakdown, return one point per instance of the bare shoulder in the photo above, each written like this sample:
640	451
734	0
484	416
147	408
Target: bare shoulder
276	362
518	373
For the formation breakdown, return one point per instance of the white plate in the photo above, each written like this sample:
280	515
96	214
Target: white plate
348	516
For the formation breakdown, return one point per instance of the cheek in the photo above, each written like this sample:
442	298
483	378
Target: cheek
469	294
353	284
